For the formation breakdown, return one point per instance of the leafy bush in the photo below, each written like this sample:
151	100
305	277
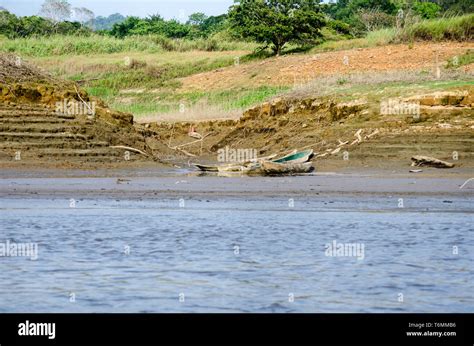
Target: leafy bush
427	10
340	27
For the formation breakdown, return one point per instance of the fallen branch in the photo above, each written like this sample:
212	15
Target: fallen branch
185	152
341	143
419	161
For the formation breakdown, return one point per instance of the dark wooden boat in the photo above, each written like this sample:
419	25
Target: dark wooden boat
206	168
275	168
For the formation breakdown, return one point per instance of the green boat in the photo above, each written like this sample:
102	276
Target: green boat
296	157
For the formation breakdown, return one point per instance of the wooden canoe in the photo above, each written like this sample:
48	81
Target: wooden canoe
230	169
237	167
275	168
245	168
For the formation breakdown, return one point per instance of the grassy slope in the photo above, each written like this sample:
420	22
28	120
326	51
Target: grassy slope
138	74
142	75
150	79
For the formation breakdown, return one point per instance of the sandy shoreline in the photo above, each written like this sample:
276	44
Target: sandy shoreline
150	182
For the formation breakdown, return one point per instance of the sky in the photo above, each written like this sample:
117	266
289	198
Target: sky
179	9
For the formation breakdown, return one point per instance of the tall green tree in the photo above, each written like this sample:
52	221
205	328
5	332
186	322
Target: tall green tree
277	22
197	19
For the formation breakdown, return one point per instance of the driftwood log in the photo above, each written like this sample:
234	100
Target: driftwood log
419	161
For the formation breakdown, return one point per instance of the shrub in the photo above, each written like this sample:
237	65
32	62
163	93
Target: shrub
374	19
426	10
340	27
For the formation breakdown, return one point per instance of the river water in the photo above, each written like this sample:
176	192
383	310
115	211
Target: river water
239	254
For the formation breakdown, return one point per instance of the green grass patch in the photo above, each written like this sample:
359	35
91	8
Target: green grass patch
147	83
107	75
153	76
101	92
99	44
148	103
243	99
458	61
143	108
459	28
376	38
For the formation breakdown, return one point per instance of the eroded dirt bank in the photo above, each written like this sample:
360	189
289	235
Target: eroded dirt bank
351	134
373	129
45	121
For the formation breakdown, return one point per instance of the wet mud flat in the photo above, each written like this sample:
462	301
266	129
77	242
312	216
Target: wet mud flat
150	181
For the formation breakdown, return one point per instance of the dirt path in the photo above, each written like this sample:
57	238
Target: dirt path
287	70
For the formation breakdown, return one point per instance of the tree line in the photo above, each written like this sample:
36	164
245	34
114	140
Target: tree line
59	17
274	23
